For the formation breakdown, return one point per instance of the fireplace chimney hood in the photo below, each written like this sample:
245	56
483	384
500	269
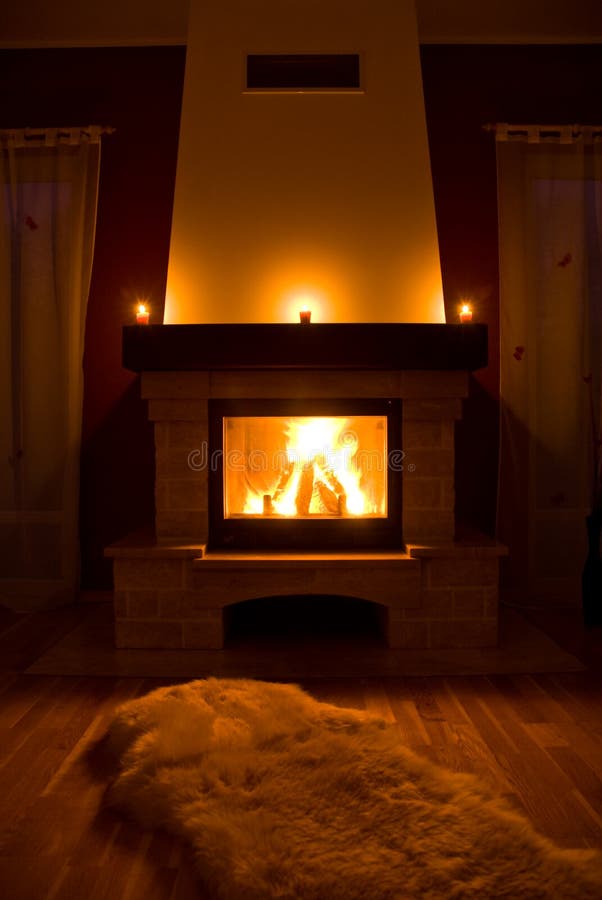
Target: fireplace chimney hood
303	171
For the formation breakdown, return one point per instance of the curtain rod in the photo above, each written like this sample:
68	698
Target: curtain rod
538	134
48	137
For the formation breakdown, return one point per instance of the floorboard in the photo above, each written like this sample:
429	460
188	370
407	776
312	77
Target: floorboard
536	738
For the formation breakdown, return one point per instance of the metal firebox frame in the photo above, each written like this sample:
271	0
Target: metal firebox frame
348	533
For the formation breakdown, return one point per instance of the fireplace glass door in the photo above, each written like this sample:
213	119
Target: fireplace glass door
305	467
298	474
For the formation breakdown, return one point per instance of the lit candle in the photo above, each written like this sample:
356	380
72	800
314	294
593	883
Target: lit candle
305	316
142	314
465	314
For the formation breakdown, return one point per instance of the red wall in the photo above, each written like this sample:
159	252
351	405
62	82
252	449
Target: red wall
138	90
466	87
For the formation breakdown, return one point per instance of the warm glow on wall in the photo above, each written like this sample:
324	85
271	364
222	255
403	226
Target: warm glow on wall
173	309
434	308
324	190
331	297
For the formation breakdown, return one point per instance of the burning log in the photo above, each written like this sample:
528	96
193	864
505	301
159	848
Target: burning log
283	481
331	491
328	498
305	490
316	490
330	479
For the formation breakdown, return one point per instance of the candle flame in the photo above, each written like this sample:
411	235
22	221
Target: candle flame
305	301
142	309
465	308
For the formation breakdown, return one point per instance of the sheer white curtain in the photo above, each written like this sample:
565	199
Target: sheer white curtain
49	196
550	220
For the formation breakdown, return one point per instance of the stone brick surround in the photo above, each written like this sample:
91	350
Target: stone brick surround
171	593
431	405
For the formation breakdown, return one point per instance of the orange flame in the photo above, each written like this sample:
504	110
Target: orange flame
320	477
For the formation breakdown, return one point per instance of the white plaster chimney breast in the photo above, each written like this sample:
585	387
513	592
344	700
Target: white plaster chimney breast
291	196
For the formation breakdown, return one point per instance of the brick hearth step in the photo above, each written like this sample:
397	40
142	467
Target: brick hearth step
174	596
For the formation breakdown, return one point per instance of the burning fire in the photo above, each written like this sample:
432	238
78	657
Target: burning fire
319	475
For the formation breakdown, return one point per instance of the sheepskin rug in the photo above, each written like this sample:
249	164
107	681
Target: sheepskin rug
285	797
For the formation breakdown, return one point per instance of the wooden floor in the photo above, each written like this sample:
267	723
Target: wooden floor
538	739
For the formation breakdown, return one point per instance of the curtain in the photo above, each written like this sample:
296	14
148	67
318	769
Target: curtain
550	219
49	196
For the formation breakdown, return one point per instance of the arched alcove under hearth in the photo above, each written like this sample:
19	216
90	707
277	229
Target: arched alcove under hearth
304	618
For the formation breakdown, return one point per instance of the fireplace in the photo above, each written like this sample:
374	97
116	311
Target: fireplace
314	458
305	474
236	421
